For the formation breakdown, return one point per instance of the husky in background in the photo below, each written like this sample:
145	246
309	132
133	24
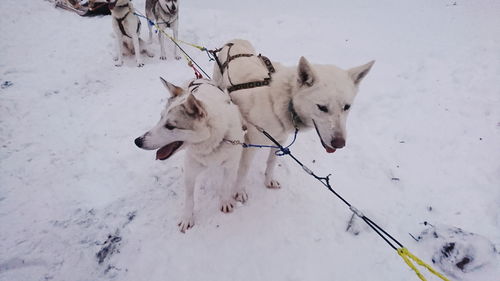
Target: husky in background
202	119
126	26
166	15
304	96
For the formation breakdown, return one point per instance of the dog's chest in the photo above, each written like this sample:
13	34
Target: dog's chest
219	157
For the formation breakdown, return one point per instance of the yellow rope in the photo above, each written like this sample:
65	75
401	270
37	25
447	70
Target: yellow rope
175	39
201	48
189	61
406	255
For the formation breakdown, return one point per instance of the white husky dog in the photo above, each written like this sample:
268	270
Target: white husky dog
126	26
280	99
201	118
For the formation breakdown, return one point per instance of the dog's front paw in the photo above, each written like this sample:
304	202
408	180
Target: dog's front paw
273	184
226	206
140	64
241	196
119	63
163	57
186	223
177	57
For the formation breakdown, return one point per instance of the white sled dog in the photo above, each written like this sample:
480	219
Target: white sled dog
280	99
166	15
126	26
201	118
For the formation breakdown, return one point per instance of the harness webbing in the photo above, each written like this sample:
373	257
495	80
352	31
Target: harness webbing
195	84
214	54
259	83
229	59
247	85
122	28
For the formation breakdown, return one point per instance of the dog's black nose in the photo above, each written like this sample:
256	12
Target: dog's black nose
138	142
174	8
338	142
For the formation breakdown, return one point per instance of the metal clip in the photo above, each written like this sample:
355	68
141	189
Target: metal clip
307	170
233	142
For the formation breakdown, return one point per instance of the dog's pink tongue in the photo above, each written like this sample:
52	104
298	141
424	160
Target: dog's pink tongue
164	152
329	149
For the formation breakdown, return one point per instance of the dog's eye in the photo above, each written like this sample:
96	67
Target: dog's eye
346	107
322	108
170	127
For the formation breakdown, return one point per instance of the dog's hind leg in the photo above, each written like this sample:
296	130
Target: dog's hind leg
270	182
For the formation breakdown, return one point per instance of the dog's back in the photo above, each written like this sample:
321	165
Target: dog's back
237	69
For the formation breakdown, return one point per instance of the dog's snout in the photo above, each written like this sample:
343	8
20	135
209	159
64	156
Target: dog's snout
139	142
111	4
338	142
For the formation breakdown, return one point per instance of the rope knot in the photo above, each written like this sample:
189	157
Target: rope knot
283	151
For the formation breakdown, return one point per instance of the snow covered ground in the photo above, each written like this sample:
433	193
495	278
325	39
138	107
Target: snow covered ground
423	146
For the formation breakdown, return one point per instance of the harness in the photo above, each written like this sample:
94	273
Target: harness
120	22
253	84
195	84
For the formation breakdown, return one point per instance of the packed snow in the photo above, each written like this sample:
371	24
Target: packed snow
79	201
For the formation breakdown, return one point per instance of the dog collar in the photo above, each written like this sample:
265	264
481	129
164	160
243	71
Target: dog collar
296	120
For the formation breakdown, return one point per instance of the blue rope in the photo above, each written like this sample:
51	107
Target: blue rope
281	151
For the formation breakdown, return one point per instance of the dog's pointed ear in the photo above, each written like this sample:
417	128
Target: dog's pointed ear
358	73
194	108
305	73
174	90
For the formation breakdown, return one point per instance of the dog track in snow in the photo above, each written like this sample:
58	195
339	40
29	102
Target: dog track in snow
457	252
110	246
113	243
6	84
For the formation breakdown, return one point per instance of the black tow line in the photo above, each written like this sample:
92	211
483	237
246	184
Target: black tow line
391	241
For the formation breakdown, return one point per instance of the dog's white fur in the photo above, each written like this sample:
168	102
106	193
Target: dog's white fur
202	117
164	13
120	9
309	89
